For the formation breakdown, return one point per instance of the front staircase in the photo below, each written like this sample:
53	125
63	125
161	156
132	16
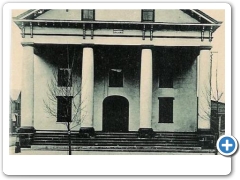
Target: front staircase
120	142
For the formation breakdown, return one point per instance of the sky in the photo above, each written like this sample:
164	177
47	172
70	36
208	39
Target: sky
218	60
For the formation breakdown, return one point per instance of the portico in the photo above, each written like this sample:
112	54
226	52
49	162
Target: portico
143	72
142	66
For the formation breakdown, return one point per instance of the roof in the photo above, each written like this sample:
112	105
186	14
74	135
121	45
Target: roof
194	13
25	14
198	18
164	19
204	15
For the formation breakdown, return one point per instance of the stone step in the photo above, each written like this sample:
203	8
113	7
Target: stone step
114	147
176	133
116	144
120	133
119	141
176	136
77	135
127	149
115	139
54	135
116	133
115	136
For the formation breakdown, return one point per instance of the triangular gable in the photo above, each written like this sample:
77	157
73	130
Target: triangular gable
194	16
174	16
32	14
26	13
61	14
200	16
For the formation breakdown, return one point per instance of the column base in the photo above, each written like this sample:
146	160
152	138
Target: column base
87	132
207	138
145	133
26	134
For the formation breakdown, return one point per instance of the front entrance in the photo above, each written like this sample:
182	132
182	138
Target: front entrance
115	114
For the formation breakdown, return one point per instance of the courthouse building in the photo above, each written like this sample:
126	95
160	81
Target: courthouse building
139	71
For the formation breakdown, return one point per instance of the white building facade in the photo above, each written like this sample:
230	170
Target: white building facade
131	70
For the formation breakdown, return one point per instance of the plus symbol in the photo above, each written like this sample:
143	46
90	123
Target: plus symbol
227	145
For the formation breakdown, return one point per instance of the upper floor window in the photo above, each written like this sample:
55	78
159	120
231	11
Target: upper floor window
64	77
166	77
115	78
222	126
17	106
148	15
88	14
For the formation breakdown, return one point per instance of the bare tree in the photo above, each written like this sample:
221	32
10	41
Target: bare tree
64	94
215	93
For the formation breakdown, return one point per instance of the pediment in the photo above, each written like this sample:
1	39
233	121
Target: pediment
161	15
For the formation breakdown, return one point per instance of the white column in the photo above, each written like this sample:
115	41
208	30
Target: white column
146	89
87	87
204	89
27	92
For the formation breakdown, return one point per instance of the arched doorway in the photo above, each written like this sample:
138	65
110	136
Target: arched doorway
115	114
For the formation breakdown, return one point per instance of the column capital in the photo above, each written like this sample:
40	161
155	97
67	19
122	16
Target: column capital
147	46
87	45
205	47
27	44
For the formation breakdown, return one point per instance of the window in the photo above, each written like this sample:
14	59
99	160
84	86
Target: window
165	109
222	123
166	77
17	107
88	14
148	15
64	108
116	78
214	114
64	77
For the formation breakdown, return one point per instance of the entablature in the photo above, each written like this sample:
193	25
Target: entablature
118	28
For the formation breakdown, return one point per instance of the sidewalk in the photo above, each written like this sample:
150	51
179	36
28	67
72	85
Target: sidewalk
27	151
